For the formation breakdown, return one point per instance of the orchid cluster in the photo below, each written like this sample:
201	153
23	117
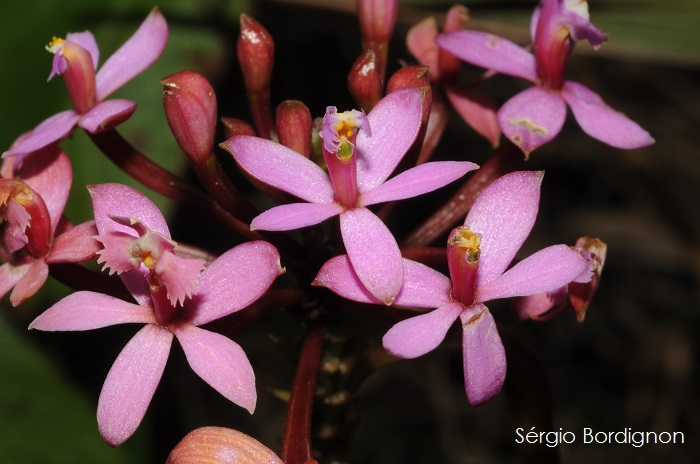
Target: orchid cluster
335	181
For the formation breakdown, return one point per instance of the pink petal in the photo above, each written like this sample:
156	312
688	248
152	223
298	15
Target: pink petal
30	283
490	52
107	115
116	254
417	181
395	122
179	275
532	118
602	122
532	306
281	167
49	131
373	252
124	201
544	271
220	362
87	41
483	354
131	382
476	109
90	310
234	280
419	335
11	273
420	41
132	58
504	214
423	287
50	174
75	245
295	216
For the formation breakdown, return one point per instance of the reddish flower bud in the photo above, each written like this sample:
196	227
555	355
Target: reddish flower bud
294	126
256	52
377	20
365	81
456	19
234	126
219	445
190	108
28	220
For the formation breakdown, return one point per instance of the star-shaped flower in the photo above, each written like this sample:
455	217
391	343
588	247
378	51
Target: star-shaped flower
360	152
478	255
76	58
536	115
232	282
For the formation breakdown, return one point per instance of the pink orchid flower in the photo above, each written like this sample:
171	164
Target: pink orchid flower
233	281
360	152
76	58
32	198
536	115
478	255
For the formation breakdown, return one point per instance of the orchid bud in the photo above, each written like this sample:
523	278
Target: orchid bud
294	124
456	19
190	108
235	126
75	64
377	20
256	52
219	445
365	81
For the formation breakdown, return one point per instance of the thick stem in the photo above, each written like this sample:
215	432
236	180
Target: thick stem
296	444
506	159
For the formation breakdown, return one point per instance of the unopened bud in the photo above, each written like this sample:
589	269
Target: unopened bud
190	108
377	20
294	126
219	445
365	81
456	19
235	126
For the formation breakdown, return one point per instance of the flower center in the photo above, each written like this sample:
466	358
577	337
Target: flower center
463	254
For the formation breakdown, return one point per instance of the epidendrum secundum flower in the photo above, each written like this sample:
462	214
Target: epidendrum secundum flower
33	194
76	58
536	115
360	152
230	283
478	255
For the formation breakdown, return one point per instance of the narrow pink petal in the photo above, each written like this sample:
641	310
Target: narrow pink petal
490	52
50	174
504	214
75	245
49	131
131	382
281	167
532	118
295	216
124	201
602	122
221	363
132	58
544	271
419	335
417	181
483	355
394	122
30	283
423	287
373	252
11	273
107	115
234	280
476	109
90	310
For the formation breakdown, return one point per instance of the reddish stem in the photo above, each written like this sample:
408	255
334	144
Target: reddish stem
296	444
506	159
